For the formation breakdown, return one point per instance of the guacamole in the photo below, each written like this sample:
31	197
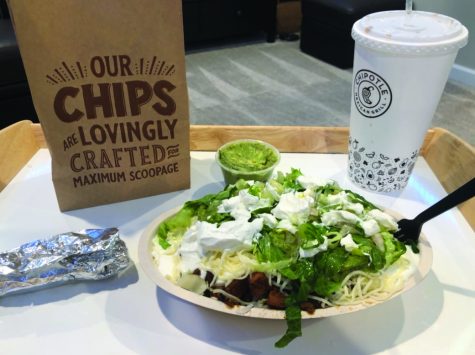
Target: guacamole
247	156
247	159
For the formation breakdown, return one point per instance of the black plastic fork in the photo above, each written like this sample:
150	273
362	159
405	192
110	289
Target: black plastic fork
410	229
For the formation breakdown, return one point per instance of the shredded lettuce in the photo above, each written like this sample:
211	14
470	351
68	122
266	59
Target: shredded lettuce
288	181
294	324
304	272
311	236
355	198
174	226
276	245
393	248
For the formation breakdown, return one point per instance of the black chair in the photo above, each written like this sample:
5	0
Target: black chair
326	27
15	97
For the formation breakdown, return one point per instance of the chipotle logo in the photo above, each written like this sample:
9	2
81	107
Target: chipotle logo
371	93
122	112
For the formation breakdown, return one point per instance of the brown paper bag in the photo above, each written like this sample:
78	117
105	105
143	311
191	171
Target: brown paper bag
108	83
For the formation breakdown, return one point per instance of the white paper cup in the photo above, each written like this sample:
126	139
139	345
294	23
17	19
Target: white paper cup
401	65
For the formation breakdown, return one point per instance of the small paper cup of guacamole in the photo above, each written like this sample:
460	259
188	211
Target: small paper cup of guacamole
248	159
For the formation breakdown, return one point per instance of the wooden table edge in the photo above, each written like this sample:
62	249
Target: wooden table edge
450	157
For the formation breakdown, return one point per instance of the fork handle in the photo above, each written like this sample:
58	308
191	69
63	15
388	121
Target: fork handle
456	197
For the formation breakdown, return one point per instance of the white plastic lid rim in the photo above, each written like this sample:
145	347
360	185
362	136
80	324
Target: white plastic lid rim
417	33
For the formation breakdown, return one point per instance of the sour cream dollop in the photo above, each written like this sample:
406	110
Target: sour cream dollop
332	218
348	243
293	206
203	237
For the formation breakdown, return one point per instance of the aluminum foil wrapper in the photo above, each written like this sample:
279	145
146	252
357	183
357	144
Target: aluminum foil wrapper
91	254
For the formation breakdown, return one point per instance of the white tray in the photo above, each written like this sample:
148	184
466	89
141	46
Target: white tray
130	314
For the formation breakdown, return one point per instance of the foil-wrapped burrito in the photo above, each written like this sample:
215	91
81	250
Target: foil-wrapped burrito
90	254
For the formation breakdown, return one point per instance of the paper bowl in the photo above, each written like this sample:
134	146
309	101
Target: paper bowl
148	264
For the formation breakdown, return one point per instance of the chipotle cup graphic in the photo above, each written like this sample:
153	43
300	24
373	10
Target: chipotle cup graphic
401	64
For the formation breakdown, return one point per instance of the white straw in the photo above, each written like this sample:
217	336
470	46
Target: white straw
408	6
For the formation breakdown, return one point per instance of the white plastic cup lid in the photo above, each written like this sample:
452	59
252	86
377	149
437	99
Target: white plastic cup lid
417	33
